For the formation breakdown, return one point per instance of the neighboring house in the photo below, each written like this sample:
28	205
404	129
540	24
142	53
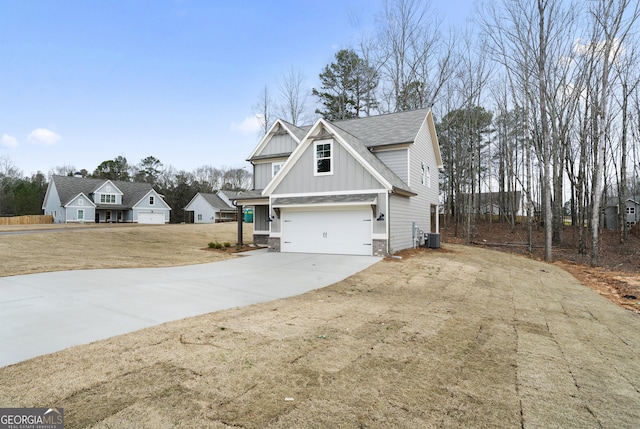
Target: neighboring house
632	212
211	208
497	203
366	186
76	199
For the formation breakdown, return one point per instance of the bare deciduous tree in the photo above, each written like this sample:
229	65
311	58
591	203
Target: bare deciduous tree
293	97
264	109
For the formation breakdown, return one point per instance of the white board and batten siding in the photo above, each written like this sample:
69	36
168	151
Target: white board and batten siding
277	145
334	228
348	174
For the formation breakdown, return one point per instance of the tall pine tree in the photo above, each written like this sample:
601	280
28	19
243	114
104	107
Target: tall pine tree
348	86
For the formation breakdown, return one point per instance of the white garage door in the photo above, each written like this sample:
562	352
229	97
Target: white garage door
343	231
148	217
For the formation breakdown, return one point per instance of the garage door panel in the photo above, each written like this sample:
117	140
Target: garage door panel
327	231
151	218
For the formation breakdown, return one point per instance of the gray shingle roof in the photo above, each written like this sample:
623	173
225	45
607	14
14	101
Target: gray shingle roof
69	187
392	128
215	201
361	147
299	132
320	199
249	195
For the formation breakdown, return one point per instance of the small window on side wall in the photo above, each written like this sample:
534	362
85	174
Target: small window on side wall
323	157
275	167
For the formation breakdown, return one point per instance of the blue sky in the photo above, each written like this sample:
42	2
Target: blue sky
86	81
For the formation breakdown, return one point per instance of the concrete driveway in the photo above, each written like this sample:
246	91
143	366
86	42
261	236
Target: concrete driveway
48	312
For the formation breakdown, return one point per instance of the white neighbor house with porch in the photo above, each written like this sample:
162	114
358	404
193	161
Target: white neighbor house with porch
86	200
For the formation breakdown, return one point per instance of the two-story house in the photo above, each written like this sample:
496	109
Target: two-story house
366	186
76	199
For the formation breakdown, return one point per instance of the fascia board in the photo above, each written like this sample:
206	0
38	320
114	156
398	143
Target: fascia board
293	158
269	135
306	142
108	181
192	200
47	193
434	139
252	202
375	173
152	191
76	197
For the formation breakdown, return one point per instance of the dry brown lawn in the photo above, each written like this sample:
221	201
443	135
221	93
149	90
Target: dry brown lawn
77	247
456	337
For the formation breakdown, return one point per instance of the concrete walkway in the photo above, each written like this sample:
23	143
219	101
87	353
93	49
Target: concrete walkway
48	312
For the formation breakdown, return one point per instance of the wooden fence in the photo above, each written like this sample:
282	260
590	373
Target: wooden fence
26	220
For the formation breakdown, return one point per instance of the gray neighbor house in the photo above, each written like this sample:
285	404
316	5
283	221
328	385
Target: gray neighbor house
632	214
86	200
365	186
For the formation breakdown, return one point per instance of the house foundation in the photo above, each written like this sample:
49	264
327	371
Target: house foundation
260	240
274	244
380	247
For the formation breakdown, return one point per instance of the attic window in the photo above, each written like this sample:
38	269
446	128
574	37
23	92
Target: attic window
323	156
151	200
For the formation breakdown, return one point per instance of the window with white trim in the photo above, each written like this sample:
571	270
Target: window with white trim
107	198
323	157
631	210
275	167
423	174
199	216
80	214
152	200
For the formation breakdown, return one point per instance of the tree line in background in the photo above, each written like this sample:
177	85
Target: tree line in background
24	195
537	98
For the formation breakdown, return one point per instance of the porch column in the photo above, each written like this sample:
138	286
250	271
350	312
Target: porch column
240	217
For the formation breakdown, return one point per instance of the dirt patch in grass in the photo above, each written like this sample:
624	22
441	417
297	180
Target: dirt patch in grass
457	337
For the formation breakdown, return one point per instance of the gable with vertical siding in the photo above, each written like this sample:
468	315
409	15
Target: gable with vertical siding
348	174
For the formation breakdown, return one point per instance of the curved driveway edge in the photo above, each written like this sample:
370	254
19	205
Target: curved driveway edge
47	312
